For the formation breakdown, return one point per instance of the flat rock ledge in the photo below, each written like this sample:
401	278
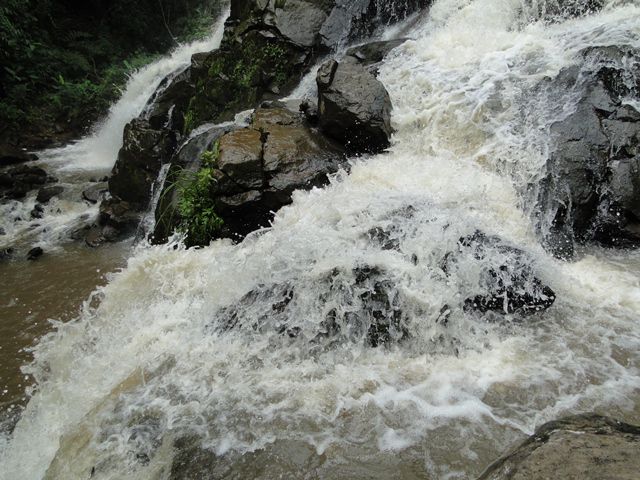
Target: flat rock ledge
581	447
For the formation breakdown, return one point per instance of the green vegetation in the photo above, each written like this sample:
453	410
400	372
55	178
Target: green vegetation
62	63
240	74
196	204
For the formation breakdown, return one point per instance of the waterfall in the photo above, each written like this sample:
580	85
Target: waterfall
93	156
225	354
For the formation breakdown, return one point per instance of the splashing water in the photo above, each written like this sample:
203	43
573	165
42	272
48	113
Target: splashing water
226	351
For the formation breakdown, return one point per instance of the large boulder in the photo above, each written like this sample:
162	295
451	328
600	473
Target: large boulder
254	171
584	447
353	106
592	189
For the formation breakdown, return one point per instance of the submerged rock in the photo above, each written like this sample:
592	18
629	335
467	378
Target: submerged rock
508	281
35	253
354	108
368	309
585	447
592	189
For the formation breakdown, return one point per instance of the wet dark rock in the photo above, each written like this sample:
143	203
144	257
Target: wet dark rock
139	161
167	106
508	280
35	253
353	19
374	52
11	155
256	171
354	107
585	447
17	182
370	309
118	215
561	10
95	193
310	111
38	211
2	231
6	253
593	186
47	193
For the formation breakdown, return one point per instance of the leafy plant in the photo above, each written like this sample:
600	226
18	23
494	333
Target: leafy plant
196	205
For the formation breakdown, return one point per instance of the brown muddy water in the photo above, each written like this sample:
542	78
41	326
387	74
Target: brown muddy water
35	293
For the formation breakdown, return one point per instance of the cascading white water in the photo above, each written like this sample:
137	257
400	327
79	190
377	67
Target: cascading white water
157	362
93	156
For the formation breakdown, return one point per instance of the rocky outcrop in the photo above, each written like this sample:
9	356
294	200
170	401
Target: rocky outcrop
266	49
255	170
144	151
593	185
269	45
354	108
17	182
10	155
584	447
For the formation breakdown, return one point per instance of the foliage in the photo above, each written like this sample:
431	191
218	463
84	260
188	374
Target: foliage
63	63
239	74
196	205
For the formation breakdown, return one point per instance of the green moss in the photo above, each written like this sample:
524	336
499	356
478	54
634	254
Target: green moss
238	76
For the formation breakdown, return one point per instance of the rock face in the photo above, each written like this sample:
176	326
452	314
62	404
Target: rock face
139	160
583	447
593	185
269	45
256	171
353	106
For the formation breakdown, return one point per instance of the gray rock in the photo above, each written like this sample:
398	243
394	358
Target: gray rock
96	192
354	108
509	286
582	447
593	185
47	193
374	52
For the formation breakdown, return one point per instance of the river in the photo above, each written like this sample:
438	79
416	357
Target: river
149	376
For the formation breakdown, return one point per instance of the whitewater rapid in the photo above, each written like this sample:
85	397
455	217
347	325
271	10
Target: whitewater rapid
153	364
